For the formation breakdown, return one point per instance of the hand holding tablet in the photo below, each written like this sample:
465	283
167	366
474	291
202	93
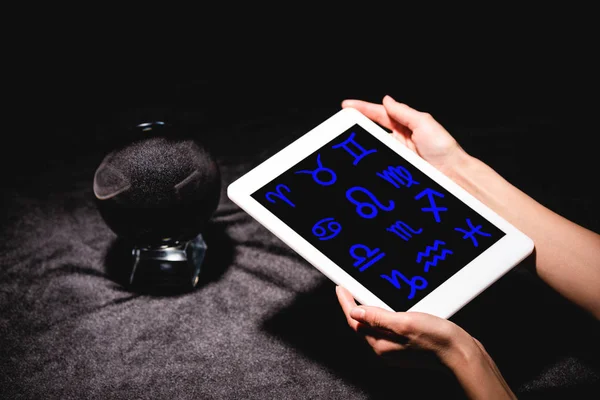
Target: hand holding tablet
378	215
378	219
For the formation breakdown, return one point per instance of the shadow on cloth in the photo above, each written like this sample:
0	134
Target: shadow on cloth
524	326
316	325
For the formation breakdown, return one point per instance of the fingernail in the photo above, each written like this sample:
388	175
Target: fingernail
357	313
388	97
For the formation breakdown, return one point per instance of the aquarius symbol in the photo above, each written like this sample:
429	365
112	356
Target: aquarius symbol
474	231
416	283
398	175
402	229
436	258
320	168
279	195
346	146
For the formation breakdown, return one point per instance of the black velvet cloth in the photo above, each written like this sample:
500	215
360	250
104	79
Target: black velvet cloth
262	323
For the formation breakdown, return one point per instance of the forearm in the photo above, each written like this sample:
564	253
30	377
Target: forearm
476	372
567	255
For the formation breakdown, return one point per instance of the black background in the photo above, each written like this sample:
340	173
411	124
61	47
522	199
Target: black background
69	87
516	87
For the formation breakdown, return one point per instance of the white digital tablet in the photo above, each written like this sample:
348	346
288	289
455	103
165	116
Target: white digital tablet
379	220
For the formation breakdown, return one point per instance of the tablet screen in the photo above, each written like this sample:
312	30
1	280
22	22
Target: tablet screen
391	227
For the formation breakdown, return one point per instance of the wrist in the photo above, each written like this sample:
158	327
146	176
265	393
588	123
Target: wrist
481	181
463	168
461	355
477	373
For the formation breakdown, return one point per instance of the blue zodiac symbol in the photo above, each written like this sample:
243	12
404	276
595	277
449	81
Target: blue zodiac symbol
434	208
436	258
279	195
371	255
320	232
398	176
474	231
346	146
416	283
321	168
371	210
402	229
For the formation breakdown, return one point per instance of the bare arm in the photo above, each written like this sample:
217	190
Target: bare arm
567	255
399	337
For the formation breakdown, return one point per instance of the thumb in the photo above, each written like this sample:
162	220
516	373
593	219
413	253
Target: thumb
402	113
378	317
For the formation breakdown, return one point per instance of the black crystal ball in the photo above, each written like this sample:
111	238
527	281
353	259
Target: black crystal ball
160	188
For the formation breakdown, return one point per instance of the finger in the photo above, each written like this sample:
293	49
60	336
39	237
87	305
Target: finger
375	333
400	354
411	145
379	318
382	345
379	114
375	112
400	136
402	113
348	303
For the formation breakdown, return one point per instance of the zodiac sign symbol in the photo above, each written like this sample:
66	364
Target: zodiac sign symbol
320	231
320	169
371	256
436	258
346	146
416	283
279	195
474	231
402	229
430	193
371	210
398	176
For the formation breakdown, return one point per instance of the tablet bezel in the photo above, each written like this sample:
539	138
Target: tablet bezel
443	301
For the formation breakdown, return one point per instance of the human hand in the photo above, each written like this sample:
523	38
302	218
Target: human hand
417	130
405	339
414	339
